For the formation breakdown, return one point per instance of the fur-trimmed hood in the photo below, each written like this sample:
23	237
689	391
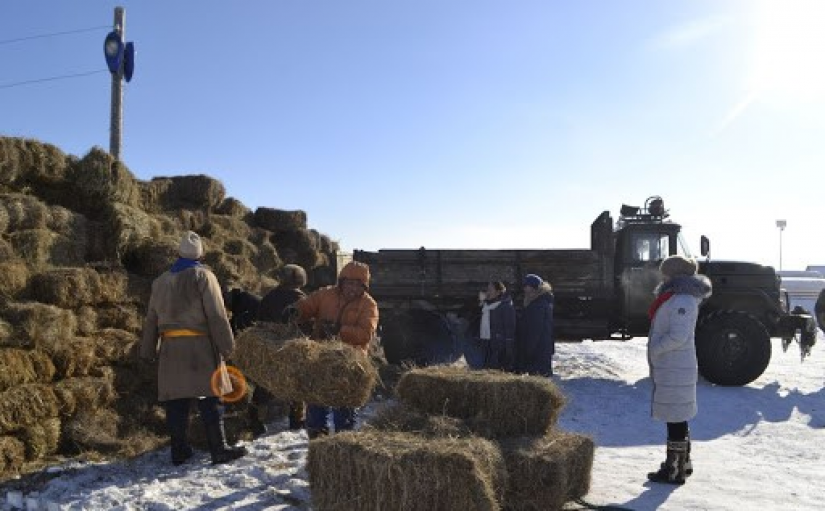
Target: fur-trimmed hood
545	290
693	285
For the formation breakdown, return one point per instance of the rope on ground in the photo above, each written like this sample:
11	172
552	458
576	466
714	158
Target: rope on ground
587	505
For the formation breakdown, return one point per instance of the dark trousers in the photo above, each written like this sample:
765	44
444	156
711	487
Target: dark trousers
499	355
177	415
677	431
342	418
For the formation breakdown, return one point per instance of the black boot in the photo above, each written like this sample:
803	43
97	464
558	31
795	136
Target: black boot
177	421
672	471
212	417
314	433
216	438
297	415
255	423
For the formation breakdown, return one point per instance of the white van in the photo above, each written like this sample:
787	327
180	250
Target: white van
803	287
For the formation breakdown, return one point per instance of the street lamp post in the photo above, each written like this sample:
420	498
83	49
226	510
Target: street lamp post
781	224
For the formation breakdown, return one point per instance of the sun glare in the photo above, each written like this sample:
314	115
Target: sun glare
789	56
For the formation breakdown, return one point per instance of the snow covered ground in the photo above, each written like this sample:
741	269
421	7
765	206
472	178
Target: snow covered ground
756	447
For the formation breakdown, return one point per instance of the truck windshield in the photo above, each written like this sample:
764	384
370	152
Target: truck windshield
682	247
650	246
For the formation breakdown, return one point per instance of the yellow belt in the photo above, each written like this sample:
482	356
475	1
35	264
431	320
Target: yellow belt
182	332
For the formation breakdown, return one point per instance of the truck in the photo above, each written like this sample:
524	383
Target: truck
429	298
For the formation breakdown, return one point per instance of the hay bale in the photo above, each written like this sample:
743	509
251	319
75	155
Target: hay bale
119	316
86	320
380	471
95	430
23	212
294	368
12	450
401	418
42	439
152	257
234	208
547	471
42	247
222	226
24	366
279	220
126	228
182	192
113	345
232	268
83	393
30	163
298	247
26	405
6	250
14	277
73	287
74	357
97	180
38	325
494	404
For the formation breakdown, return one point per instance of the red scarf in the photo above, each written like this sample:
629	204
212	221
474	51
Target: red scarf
662	298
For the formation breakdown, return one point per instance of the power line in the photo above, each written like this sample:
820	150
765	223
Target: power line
53	34
52	78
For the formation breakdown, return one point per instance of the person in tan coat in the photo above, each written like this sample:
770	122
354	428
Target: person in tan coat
187	331
346	311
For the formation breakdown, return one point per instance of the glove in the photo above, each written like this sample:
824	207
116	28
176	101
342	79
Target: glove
330	329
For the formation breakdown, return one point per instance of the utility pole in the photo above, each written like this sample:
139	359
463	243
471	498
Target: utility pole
116	124
781	224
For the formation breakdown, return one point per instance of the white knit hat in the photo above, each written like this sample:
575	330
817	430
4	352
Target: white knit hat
191	246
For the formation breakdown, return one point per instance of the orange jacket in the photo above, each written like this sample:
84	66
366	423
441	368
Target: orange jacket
358	318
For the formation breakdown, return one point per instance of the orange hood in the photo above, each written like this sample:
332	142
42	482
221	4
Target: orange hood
355	270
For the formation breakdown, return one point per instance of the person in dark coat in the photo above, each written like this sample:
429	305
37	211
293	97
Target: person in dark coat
187	331
274	308
535	343
497	329
244	308
819	310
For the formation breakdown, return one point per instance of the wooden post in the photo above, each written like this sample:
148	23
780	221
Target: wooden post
116	123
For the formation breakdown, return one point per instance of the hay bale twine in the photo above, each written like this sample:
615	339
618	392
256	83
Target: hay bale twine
14	277
294	368
42	439
24	212
38	325
26	405
42	247
547	471
379	471
495	404
98	180
234	208
280	220
24	366
12	450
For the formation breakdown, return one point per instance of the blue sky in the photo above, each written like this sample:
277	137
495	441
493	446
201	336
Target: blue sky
455	123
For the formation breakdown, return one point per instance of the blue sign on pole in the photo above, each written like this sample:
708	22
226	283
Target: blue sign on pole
113	50
128	61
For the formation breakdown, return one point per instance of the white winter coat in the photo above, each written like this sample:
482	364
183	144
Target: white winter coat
671	353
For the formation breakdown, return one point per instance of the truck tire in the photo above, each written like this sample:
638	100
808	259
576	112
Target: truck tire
419	337
733	348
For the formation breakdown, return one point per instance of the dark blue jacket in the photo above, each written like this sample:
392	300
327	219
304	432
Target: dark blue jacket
503	321
535	343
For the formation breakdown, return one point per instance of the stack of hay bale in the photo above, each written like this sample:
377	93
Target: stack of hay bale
456	439
81	240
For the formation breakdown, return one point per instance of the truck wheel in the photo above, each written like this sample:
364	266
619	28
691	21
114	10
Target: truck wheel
418	336
733	348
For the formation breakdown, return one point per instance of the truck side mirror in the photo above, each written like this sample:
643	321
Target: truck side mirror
705	246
